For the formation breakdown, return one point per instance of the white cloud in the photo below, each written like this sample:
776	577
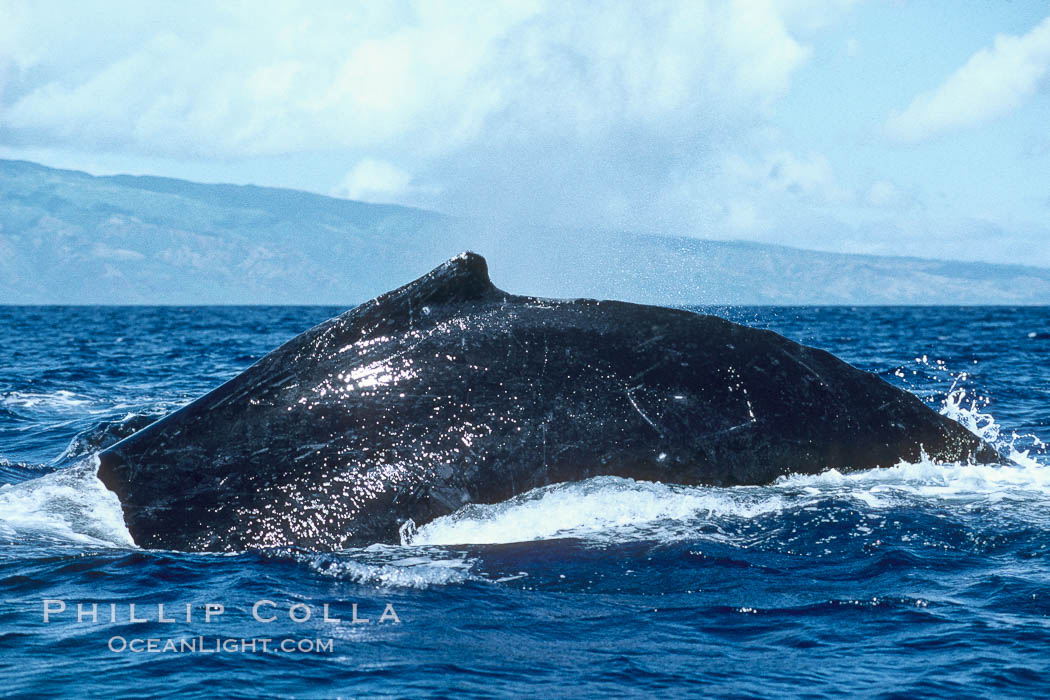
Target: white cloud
376	181
991	84
427	78
105	252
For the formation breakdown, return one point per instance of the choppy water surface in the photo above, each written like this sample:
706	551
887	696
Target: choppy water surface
923	578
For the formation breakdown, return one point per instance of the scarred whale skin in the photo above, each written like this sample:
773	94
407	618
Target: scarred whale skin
449	391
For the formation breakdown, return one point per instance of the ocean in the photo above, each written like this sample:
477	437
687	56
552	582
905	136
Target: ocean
920	579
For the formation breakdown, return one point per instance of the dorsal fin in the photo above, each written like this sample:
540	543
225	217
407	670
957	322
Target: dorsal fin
462	278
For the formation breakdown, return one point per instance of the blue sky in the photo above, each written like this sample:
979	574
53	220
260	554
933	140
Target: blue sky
915	128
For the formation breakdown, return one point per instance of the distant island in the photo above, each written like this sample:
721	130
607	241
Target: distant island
68	237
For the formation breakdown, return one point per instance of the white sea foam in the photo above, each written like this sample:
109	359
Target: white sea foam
69	504
598	507
397	567
60	400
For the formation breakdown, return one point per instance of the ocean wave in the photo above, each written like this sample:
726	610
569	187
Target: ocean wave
61	400
387	566
15	472
106	433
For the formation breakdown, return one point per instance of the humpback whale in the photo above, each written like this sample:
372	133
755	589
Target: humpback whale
449	391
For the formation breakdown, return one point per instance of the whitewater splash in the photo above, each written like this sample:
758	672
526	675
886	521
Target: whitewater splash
602	508
66	505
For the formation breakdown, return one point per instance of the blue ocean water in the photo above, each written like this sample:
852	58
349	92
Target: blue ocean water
922	579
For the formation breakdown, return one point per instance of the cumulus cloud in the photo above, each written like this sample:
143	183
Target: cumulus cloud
105	252
374	180
991	84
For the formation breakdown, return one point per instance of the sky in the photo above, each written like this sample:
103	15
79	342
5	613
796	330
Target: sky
903	128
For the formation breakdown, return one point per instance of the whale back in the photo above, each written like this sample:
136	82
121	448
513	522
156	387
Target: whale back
449	391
